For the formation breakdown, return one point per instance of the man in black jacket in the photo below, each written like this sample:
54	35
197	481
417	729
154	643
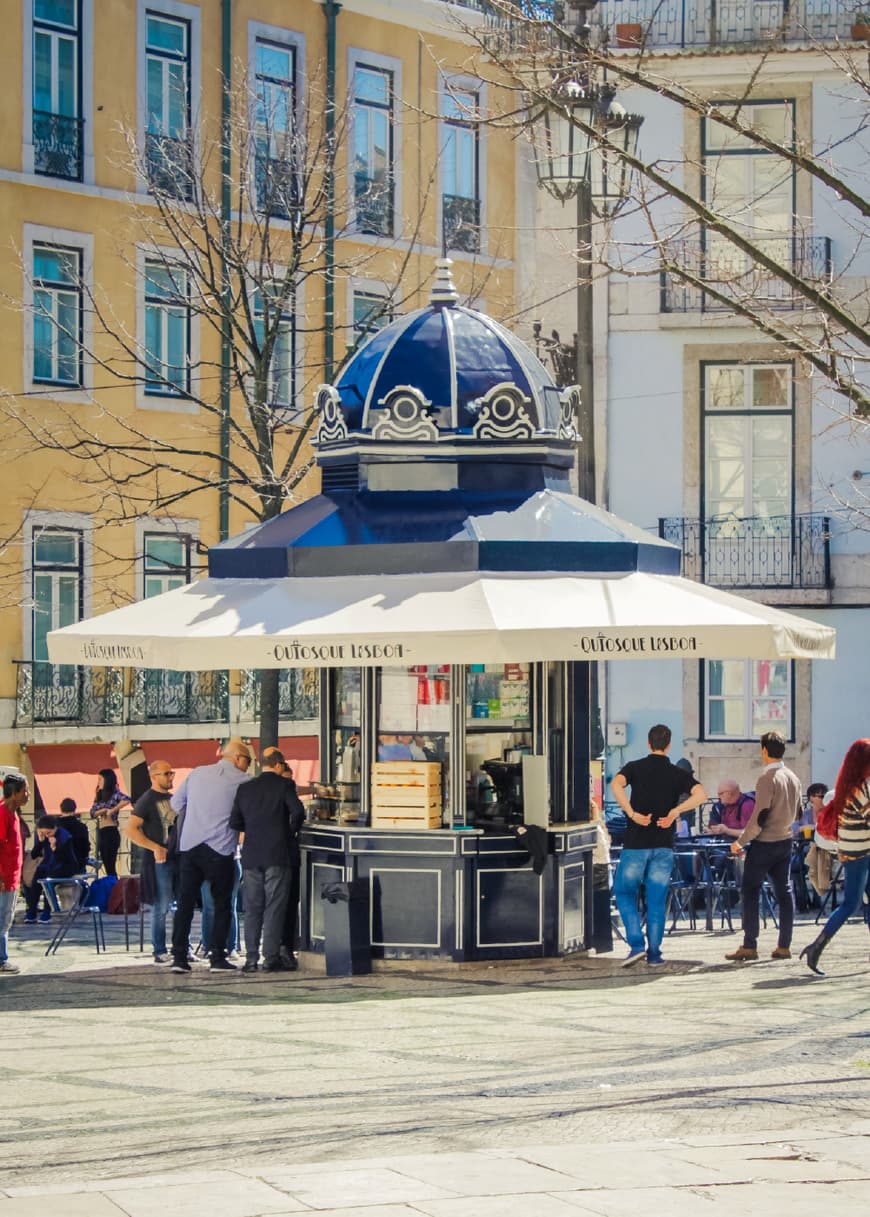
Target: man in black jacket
268	814
81	838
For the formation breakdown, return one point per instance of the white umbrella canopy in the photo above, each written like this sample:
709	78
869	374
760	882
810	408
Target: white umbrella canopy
456	617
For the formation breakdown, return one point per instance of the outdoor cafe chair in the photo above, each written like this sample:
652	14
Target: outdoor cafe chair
67	899
682	889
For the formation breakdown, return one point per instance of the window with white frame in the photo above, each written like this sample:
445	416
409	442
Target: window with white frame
168	151
373	148
57	576
274	127
371	311
275	318
166	562
752	188
743	698
460	154
57	101
167	330
57	315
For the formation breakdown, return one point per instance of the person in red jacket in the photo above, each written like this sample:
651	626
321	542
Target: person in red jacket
15	795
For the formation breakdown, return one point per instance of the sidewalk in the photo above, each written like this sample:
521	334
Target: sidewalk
540	1088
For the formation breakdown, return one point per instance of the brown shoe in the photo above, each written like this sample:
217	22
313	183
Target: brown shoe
743	955
781	953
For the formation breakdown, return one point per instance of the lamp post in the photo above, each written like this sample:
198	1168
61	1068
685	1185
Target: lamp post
581	137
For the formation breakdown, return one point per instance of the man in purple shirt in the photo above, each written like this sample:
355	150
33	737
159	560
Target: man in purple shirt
207	847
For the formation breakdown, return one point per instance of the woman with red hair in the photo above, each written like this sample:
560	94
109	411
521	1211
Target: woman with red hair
851	804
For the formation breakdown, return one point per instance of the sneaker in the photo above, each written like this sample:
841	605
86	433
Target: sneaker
45	915
9	968
233	956
30	919
219	964
655	961
632	958
180	965
160	958
743	955
251	965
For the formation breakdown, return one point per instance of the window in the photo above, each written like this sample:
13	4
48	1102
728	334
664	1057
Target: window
274	119
281	384
167	330
746	697
57	122
57	315
165	562
373	163
751	188
371	312
57	584
460	200
168	153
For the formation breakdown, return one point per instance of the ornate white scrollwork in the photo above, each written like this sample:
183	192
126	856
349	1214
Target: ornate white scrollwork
332	427
503	414
404	416
569	413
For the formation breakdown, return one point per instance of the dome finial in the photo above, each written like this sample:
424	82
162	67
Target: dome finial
444	291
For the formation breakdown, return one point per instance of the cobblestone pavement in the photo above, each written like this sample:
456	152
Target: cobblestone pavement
544	1089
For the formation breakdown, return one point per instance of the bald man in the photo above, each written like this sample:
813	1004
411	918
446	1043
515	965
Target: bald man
148	827
732	811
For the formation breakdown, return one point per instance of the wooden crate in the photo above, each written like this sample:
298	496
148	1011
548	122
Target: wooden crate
406	794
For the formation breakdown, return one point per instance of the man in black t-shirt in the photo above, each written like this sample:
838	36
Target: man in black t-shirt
148	827
660	793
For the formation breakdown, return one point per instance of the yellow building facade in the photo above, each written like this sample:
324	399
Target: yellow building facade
205	206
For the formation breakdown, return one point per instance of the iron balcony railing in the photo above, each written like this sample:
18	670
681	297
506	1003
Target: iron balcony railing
298	695
735	276
684	24
373	201
460	217
277	185
169	165
65	693
753	551
188	697
57	145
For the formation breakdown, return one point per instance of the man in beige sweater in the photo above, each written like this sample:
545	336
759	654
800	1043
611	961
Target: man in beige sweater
767	840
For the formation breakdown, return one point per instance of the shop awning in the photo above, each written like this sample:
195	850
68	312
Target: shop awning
69	771
182	755
455	617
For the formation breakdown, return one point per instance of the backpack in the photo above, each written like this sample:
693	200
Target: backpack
99	892
826	822
124	897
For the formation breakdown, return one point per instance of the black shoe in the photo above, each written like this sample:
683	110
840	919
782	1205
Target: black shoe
277	965
180	965
813	952
220	964
251	966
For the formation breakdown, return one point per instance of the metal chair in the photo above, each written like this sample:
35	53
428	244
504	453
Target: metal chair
682	890
77	887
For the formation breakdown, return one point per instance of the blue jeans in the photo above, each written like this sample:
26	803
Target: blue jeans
853	890
7	912
208	911
652	868
163	876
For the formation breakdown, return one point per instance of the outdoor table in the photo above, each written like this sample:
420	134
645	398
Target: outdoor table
704	848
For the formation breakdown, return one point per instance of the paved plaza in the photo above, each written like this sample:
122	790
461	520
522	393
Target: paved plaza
544	1089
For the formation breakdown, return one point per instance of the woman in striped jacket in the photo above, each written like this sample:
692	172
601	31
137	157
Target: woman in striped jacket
851	803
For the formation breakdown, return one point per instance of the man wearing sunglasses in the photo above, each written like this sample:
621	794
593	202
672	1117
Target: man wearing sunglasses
148	827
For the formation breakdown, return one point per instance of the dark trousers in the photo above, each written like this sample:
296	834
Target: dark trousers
266	892
765	858
291	914
109	842
196	866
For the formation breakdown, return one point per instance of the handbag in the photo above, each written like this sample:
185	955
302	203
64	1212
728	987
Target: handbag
28	870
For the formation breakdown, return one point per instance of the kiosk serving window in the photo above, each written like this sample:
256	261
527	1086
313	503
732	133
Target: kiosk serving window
413	721
498	733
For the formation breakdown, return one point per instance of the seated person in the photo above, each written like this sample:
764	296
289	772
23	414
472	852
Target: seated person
820	854
732	810
81	838
54	846
394	747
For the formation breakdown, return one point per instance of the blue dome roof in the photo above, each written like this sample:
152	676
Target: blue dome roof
453	356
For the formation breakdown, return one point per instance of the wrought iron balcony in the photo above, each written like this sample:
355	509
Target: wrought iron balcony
187	697
64	693
753	551
169	165
298	695
57	145
460	218
685	24
734	276
277	185
373	201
